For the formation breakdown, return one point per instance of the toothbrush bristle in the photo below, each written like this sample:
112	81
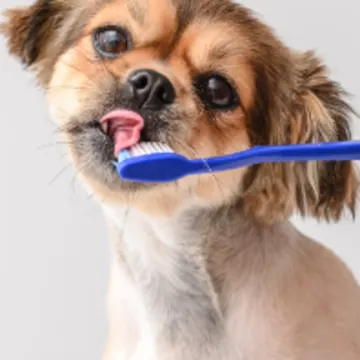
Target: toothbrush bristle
146	148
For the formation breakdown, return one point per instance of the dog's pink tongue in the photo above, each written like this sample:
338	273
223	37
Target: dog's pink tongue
124	127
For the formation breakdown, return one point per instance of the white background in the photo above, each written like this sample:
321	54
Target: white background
53	243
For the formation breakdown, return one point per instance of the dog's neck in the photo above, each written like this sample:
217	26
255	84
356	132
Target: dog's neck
173	262
167	250
188	243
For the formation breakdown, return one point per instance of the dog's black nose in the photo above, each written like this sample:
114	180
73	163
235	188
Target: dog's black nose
151	89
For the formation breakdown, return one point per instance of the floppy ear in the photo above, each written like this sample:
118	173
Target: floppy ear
318	113
30	30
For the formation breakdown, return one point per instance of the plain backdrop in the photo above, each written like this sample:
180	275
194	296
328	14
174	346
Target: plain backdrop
53	244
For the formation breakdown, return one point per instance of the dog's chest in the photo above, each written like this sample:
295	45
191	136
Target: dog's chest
138	242
155	281
131	336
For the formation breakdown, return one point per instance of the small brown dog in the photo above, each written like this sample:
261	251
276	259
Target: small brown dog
209	267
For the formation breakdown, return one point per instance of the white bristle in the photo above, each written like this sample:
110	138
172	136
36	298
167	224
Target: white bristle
146	148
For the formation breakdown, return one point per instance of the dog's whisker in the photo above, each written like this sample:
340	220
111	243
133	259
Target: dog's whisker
90	196
58	175
55	144
106	70
88	56
75	176
66	87
211	173
89	77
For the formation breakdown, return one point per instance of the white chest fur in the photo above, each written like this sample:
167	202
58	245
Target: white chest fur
130	333
158	271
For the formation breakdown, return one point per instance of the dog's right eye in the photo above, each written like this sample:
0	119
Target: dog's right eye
216	92
111	42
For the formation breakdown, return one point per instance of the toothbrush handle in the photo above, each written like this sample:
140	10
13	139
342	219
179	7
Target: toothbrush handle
336	151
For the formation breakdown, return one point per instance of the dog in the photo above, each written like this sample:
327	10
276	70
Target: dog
210	266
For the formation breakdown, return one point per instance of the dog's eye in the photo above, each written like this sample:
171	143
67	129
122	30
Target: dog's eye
111	41
216	92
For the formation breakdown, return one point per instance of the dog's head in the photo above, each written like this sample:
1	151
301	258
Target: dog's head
205	77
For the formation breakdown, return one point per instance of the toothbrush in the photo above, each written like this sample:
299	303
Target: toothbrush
158	163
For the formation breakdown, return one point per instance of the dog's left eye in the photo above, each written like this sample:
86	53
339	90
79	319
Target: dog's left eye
111	42
216	92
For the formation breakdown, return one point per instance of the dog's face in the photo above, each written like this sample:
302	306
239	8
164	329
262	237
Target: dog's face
204	77
189	85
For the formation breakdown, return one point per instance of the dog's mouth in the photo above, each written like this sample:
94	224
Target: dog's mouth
123	127
96	140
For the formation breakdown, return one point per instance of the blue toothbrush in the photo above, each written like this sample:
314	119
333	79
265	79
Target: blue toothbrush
158	163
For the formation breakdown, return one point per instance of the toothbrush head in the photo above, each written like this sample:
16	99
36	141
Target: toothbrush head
151	163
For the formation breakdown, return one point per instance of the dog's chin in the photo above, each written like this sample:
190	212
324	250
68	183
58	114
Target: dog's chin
92	153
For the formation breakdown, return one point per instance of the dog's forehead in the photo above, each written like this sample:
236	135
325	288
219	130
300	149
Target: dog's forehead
185	10
166	21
